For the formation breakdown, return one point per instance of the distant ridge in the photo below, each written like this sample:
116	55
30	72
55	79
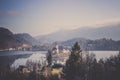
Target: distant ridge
25	38
105	31
102	38
98	44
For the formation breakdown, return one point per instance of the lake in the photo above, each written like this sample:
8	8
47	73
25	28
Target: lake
104	54
16	58
8	53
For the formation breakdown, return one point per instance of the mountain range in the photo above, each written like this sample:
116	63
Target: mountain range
103	31
101	38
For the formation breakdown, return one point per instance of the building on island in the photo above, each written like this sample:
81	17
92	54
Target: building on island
59	55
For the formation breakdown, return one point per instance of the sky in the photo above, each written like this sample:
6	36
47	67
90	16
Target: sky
39	17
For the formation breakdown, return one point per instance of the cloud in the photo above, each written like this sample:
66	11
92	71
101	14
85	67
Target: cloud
9	13
12	13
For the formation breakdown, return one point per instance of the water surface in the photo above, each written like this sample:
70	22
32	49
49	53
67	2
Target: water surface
16	58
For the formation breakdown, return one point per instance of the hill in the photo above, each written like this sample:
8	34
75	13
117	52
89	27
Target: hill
25	38
10	40
7	39
98	44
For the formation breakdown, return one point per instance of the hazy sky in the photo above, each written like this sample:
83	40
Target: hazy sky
39	17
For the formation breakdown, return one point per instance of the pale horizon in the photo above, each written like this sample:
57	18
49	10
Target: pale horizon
40	17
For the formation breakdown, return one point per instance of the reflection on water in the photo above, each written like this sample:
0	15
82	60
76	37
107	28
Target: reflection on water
8	53
18	62
40	57
36	57
16	58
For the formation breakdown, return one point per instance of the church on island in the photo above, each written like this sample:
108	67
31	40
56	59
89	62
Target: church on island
59	55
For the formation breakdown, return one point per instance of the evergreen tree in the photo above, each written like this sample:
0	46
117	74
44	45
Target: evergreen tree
72	64
49	58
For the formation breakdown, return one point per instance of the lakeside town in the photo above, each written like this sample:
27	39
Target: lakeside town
24	47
